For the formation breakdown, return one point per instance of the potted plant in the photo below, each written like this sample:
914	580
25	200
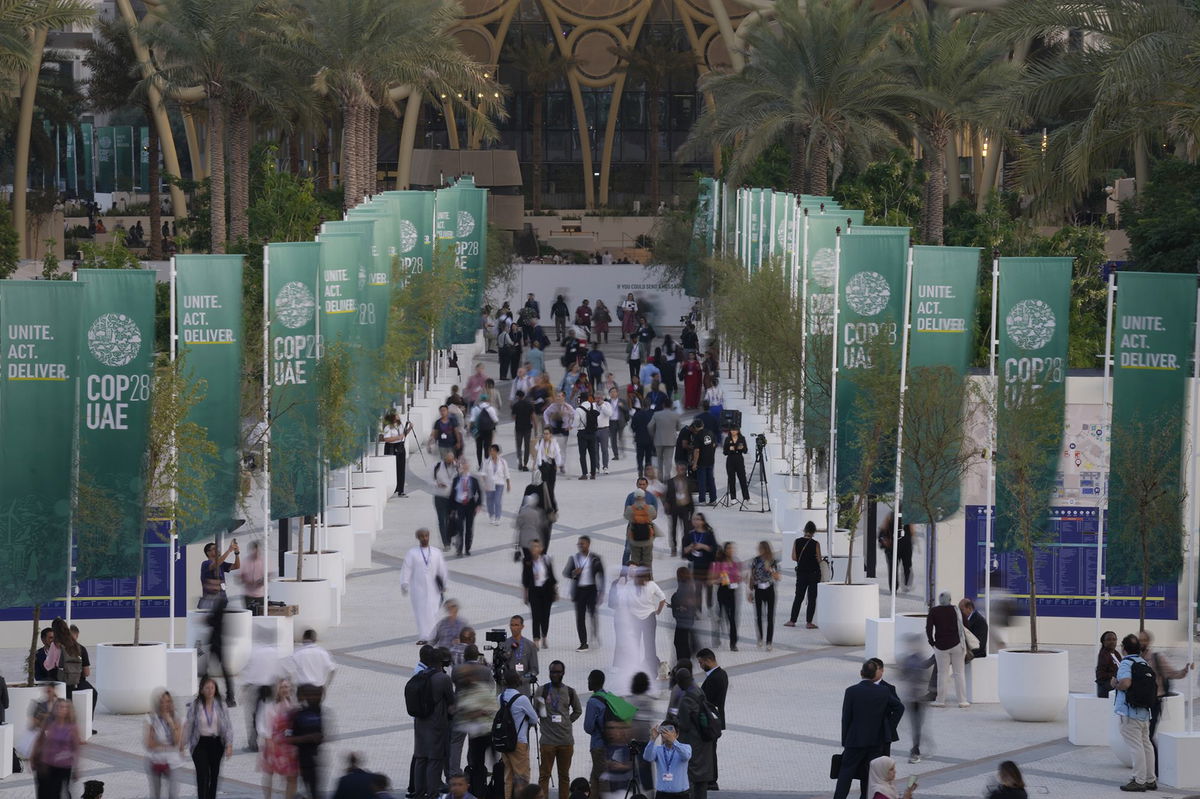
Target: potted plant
1033	682
176	472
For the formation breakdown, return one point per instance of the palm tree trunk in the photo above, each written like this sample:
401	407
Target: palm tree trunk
796	166
818	172
24	132
152	144
349	169
1141	164
535	149
935	203
373	148
652	150
216	169
239	170
294	152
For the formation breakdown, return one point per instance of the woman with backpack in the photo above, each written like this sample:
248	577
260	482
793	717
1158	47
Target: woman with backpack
65	657
641	530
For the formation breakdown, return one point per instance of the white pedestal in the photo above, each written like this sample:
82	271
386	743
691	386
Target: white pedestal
1179	759
276	631
82	700
183	666
983	680
364	517
907	626
1088	717
363	541
236	634
7	740
327	564
1173	717
881	639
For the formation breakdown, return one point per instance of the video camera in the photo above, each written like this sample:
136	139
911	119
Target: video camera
760	442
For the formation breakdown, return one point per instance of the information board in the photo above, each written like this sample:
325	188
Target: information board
1064	571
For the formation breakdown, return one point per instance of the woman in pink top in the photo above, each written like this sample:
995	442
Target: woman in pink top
726	575
56	752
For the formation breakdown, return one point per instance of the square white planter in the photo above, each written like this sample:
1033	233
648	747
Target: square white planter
881	639
1088	719
182	668
82	701
276	631
1179	759
7	740
363	541
983	680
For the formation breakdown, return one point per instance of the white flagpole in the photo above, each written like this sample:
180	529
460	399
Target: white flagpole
759	233
1195	503
1106	411
172	338
805	332
771	235
265	439
993	351
831	497
899	490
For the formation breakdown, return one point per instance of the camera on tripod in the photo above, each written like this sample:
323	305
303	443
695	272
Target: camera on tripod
760	443
500	653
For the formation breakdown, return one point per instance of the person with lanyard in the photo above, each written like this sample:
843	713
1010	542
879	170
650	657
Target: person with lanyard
522	414
618	415
806	552
393	435
586	571
559	311
700	550
515	700
208	734
634	359
444	474
714	394
424	575
704	454
628	311
671	760
559	709
541	589
558	418
55	756
495	480
483	424
213	571
521	659
162	738
445	432
466	497
1107	662
735	449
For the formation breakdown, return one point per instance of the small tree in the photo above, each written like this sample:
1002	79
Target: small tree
1030	434
10	252
937	450
1146	526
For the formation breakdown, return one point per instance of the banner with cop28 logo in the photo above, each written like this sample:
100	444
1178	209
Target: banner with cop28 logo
870	311
819	271
116	364
292	286
415	231
1033	316
39	353
460	228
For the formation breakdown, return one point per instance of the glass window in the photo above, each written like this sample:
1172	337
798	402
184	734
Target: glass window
633	111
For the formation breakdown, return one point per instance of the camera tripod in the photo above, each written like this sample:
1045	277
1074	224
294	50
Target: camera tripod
634	788
764	492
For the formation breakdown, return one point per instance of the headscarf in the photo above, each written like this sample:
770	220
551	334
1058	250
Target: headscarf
879	782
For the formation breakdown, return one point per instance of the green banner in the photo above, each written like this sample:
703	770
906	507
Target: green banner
39	354
941	336
754	228
123	149
116	365
88	142
292	286
106	161
703	232
341	333
70	162
470	250
143	159
871	283
1033	317
1152	349
819	272
208	320
415	231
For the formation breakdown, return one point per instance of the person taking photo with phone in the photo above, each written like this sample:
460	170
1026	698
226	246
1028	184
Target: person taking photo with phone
671	758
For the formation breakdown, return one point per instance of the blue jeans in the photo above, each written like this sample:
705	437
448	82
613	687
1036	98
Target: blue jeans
493	501
706	484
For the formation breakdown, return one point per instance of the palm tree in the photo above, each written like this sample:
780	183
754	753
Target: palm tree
654	64
543	65
820	78
957	71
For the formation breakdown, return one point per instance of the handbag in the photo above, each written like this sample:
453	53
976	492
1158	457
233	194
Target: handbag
826	570
968	639
835	766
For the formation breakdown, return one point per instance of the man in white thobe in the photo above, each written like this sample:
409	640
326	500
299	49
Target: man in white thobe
424	577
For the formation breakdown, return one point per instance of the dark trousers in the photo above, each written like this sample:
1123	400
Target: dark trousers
595	375
216	654
549	475
585	605
682	517
477	763
614	439
645	456
706	484
735	469
483	443
1103	689
441	504
855	761
764	601
540	600
53	782
634	368
806	585
915	713
588	448
727	603
523	438
398	449
207	759
310	776
463	520
1155	716
685	643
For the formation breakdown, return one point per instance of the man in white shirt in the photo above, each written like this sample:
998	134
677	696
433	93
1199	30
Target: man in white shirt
424	575
645	601
586	571
311	664
602	434
587	426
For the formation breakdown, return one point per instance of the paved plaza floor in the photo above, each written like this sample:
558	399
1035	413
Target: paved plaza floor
784	706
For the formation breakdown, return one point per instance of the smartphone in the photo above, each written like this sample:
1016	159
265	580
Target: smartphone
912	781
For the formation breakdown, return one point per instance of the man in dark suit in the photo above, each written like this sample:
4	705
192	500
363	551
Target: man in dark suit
893	732
869	711
977	624
715	687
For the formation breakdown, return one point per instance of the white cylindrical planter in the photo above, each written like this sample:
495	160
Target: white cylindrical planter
387	465
337	515
843	610
1034	686
363	517
239	636
911	624
336	496
379	482
373	496
340	538
327	564
314	599
128	677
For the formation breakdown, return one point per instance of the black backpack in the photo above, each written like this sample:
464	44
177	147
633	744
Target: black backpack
1143	688
485	423
591	418
71	670
418	695
504	728
710	720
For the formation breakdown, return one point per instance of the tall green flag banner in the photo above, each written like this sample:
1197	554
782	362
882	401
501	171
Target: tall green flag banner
941	335
753	234
371	331
88	142
70	161
1153	340
819	272
470	251
106	161
341	333
703	232
293	286
415	231
1033	318
39	354
123	149
116	365
871	285
143	158
208	322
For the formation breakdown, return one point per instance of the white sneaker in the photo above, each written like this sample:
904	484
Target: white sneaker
604	470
